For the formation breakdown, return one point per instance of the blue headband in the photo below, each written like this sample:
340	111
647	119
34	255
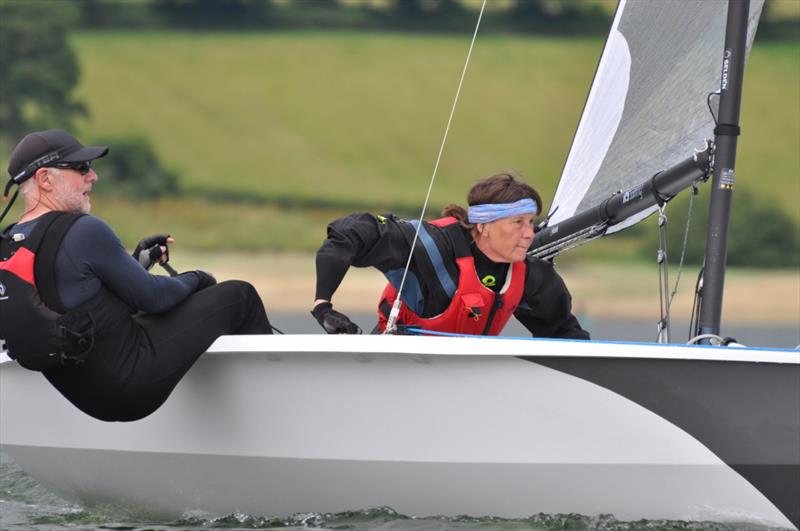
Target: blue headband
492	212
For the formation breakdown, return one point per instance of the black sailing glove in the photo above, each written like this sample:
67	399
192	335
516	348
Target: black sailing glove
332	321
148	251
206	279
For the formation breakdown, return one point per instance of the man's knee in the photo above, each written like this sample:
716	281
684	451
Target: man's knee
241	287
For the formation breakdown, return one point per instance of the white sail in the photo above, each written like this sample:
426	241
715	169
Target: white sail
647	109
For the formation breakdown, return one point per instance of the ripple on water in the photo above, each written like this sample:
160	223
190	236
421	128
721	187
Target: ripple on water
24	504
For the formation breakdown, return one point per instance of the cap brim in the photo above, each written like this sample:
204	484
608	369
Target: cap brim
86	153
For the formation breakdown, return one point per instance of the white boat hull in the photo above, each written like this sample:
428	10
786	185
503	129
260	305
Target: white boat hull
282	425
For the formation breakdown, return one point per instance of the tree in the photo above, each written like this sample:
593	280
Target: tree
213	14
133	170
760	233
556	16
38	69
415	8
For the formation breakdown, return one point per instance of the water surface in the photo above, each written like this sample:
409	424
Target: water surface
26	505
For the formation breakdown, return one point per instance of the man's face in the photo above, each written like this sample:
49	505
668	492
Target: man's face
71	190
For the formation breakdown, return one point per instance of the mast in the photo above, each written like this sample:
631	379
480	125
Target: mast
723	166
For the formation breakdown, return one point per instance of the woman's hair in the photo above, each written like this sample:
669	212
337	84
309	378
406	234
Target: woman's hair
500	188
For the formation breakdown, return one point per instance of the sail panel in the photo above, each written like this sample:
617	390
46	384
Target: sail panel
594	136
647	109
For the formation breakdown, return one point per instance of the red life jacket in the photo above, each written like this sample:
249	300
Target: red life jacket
474	308
35	327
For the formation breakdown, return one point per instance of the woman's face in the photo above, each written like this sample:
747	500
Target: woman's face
506	240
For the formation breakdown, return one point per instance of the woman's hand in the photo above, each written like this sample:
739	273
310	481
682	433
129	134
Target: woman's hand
331	321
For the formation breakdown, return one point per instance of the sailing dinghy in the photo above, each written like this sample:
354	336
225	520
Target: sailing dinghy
277	425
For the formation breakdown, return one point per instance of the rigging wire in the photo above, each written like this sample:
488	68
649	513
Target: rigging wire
711	109
698	289
396	306
663	292
698	299
697	303
665	296
685	245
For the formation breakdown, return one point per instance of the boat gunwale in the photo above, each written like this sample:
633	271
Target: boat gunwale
481	346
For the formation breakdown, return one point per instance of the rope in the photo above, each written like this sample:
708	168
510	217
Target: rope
554	248
9	205
663	277
396	306
715	340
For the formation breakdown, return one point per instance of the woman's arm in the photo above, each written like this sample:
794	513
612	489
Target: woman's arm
546	306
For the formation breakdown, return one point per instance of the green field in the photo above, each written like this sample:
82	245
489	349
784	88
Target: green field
338	116
354	120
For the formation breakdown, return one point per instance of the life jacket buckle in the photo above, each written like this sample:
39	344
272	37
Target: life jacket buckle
77	331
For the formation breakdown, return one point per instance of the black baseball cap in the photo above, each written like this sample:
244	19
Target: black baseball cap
42	148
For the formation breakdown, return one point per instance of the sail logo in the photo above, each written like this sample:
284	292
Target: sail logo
3	292
726	65
633	193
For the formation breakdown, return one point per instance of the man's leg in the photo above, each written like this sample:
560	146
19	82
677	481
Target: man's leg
180	335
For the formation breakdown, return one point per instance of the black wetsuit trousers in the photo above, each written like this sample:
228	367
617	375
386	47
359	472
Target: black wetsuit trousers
135	380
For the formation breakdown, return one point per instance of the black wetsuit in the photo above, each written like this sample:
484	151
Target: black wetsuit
150	328
384	242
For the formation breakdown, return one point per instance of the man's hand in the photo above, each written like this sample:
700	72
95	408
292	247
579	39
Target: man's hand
333	322
152	250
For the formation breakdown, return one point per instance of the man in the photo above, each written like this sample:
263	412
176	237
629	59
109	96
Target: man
112	338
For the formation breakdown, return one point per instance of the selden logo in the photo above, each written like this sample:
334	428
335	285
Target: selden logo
726	66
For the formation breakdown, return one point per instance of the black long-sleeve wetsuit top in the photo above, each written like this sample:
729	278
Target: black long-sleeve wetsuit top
384	242
91	256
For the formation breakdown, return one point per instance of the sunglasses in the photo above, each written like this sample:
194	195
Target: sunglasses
81	167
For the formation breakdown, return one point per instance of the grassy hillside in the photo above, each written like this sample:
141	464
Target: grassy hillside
338	116
355	119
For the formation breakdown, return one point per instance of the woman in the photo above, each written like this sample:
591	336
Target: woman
470	271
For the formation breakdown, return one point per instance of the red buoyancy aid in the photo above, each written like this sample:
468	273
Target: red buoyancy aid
474	308
39	335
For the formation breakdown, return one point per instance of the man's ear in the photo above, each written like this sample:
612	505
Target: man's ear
44	178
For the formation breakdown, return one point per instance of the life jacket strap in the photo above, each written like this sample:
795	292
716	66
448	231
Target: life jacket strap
47	237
